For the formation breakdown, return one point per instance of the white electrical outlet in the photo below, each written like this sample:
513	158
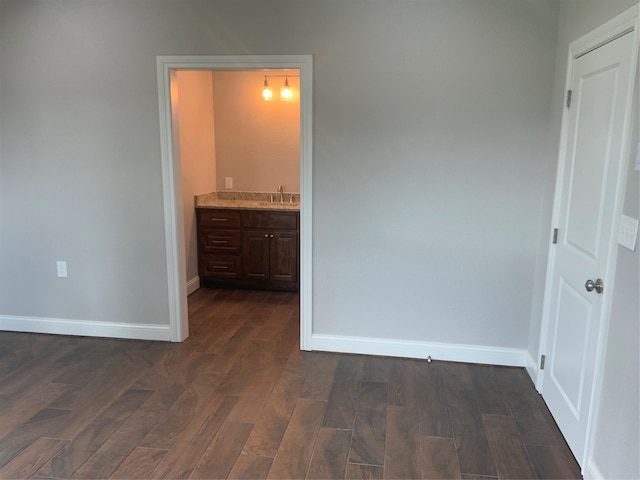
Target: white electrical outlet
228	182
62	269
628	234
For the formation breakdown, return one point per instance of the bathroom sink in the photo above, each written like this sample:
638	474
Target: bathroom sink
276	204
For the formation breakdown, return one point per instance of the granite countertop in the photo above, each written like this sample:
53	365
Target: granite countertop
249	201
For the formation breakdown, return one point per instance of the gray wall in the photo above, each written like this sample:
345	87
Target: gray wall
617	435
430	156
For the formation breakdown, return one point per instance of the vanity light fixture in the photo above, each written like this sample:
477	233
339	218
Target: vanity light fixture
286	92
267	93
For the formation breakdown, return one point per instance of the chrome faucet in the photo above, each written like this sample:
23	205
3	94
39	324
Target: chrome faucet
281	191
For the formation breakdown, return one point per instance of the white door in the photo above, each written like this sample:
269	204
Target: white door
588	183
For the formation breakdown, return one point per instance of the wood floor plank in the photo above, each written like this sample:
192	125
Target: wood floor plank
124	441
29	461
552	462
369	433
509	453
343	399
32	375
377	369
217	336
190	446
259	315
87	441
433	413
471	476
276	322
439	459
85	360
139	464
95	397
251	467
258	390
490	395
288	337
221	454
535	424
294	454
215	330
42	424
241	339
244	369
402	455
31	402
98	380
299	362
402	383
318	384
272	422
329	459
474	453
357	471
187	413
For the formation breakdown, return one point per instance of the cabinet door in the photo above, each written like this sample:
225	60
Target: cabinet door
284	256
255	255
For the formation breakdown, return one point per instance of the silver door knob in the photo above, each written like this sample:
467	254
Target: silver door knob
598	286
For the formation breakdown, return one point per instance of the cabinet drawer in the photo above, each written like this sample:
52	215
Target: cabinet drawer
262	219
219	241
219	266
208	217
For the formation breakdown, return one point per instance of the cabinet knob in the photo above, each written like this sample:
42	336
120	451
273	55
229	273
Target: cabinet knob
271	236
266	235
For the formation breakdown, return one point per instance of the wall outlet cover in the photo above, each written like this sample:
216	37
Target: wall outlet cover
228	182
61	267
628	234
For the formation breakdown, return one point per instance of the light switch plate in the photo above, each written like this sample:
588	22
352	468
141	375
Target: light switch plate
628	234
61	267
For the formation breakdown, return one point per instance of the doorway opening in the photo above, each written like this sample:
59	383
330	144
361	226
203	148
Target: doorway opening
167	68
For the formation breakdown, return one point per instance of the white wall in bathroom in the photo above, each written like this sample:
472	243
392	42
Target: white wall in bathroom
197	152
257	142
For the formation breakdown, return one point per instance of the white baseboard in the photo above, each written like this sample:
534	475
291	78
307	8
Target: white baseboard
193	285
532	368
85	328
412	349
592	471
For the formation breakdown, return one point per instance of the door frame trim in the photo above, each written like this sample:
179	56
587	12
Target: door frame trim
627	21
172	178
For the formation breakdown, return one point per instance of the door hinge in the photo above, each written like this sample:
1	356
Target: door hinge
542	360
569	92
555	236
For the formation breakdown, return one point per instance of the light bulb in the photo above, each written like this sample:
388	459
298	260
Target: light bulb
286	93
267	93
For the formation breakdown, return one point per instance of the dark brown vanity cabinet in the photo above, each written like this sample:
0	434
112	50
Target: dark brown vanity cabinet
248	248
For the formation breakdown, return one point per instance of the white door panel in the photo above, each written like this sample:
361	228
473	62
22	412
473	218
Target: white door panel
590	168
595	104
572	332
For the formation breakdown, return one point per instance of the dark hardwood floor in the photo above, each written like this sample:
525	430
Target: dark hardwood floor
238	399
